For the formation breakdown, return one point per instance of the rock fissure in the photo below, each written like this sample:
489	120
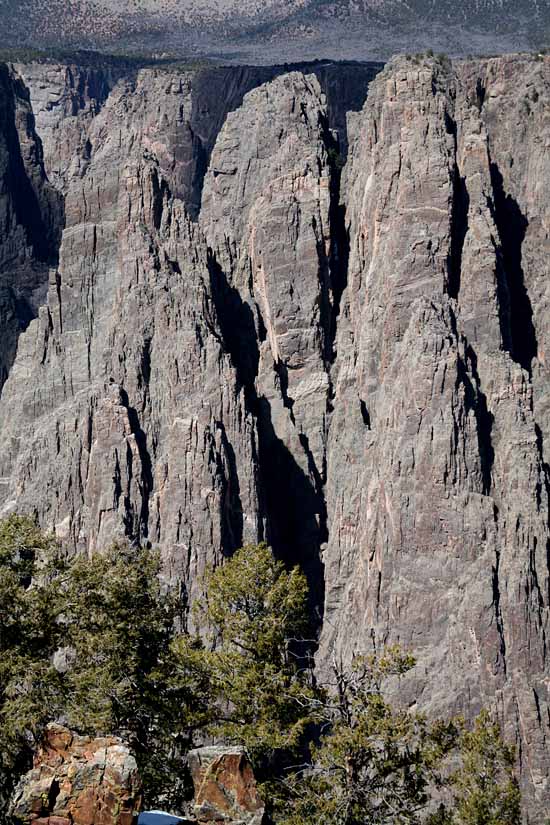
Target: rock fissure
512	226
346	361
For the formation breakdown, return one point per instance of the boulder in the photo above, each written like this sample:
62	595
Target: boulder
225	787
77	780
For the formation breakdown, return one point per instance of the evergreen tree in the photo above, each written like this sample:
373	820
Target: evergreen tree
95	643
484	788
374	763
255	614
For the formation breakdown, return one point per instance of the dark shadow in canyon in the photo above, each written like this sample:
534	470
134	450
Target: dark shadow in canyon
233	520
512	226
476	400
291	499
338	263
145	480
30	236
459	230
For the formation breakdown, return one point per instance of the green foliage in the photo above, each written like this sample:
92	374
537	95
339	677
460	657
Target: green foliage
484	788
374	763
255	613
116	623
97	645
336	160
29	636
108	626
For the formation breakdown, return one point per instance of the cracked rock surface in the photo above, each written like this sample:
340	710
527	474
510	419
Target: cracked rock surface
242	340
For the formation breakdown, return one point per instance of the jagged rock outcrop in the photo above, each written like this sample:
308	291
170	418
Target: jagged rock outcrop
139	391
225	786
241	343
64	100
266	217
77	780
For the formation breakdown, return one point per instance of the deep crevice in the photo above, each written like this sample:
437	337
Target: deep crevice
292	501
35	209
459	230
365	415
512	225
145	480
233	520
480	94
338	263
476	400
498	611
236	325
545	468
42	218
53	794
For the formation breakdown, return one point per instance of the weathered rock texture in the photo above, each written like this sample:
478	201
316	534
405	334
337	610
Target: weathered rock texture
240	342
437	470
30	217
64	101
225	787
78	781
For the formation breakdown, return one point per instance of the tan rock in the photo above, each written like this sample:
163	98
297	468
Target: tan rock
77	780
225	786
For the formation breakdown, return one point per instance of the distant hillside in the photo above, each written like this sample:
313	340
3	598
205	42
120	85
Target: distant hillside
275	30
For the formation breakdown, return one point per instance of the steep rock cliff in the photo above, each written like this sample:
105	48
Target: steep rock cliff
240	342
30	217
129	395
437	485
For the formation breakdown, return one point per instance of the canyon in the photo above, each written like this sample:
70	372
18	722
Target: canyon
306	305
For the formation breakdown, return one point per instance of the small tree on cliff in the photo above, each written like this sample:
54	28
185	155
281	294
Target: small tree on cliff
118	626
88	643
374	763
484	789
255	613
30	687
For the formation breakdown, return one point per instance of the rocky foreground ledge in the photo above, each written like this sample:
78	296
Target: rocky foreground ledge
77	780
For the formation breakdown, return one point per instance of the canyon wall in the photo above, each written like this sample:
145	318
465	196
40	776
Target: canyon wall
241	340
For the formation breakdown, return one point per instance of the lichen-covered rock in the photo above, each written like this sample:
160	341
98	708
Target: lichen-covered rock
225	787
78	780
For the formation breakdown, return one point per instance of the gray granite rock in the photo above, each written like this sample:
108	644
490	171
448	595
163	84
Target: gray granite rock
437	484
238	343
30	217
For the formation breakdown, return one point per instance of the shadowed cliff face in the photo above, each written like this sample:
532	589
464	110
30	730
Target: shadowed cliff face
31	217
243	341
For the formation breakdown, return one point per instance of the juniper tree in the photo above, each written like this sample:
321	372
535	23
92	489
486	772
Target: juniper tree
255	618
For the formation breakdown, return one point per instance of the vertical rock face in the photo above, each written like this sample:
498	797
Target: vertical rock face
266	217
64	101
131	384
240	343
30	217
437	476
